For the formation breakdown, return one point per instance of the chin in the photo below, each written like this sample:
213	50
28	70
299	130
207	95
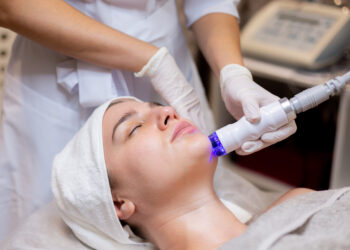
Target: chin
199	147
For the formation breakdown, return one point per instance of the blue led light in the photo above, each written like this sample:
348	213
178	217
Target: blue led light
218	149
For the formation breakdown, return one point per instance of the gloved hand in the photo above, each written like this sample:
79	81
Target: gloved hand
242	96
169	82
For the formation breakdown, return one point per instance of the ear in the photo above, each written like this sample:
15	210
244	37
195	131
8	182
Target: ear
124	208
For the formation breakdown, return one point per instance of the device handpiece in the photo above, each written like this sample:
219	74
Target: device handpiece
274	116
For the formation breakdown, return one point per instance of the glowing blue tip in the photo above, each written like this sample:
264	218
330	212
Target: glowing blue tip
218	149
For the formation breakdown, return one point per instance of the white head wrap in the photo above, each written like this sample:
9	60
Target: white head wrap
82	192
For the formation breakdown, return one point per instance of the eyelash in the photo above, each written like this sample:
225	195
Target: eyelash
134	129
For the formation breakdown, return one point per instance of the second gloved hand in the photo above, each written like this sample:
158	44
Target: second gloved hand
242	96
169	82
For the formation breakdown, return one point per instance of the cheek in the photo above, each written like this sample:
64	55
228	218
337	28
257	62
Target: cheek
149	148
196	154
155	159
197	146
147	156
150	169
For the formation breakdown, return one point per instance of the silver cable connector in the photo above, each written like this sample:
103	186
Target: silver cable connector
288	108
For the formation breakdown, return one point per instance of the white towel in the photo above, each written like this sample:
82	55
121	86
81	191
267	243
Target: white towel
241	214
82	192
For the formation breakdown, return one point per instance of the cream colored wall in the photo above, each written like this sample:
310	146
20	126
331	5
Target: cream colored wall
6	40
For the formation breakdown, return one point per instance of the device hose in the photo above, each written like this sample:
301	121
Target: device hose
314	96
345	78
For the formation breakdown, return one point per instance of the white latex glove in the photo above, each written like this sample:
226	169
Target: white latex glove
242	96
169	82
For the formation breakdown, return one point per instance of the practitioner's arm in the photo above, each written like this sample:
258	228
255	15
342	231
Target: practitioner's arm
57	25
217	35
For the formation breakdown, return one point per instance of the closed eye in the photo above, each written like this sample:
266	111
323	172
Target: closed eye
134	129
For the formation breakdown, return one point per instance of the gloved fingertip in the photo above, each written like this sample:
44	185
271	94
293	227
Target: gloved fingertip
280	134
241	152
271	137
252	118
293	127
251	112
252	146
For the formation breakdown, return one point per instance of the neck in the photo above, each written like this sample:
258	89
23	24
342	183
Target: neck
203	224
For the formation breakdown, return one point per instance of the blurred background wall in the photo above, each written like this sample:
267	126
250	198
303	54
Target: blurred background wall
6	40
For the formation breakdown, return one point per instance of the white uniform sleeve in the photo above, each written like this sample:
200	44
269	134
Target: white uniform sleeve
195	9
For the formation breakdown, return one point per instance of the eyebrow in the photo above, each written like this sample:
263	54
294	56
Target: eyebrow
154	104
129	114
122	119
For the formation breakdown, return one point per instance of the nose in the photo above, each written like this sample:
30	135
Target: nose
165	115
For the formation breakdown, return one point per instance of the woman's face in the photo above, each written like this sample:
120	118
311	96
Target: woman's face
152	154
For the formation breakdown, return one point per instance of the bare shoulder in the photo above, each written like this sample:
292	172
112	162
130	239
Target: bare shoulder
290	194
297	191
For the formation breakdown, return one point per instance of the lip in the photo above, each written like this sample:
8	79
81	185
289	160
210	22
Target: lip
182	128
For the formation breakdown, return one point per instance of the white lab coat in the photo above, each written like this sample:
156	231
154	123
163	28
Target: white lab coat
47	96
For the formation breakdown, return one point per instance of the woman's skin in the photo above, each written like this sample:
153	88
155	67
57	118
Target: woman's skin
162	185
52	23
216	39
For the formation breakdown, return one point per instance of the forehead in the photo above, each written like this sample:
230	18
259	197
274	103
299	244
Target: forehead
116	110
120	107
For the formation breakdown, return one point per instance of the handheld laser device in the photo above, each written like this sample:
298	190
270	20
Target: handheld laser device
274	116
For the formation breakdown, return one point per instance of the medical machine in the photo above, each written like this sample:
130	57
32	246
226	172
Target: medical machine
274	116
301	34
